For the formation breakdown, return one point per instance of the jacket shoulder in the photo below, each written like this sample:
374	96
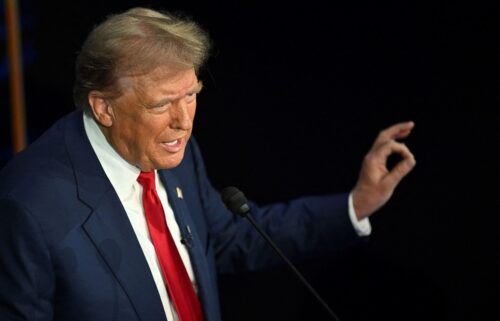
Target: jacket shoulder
39	165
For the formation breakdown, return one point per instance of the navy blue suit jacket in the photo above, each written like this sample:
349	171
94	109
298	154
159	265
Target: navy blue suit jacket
68	250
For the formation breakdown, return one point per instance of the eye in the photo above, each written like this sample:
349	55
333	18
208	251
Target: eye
190	97
161	106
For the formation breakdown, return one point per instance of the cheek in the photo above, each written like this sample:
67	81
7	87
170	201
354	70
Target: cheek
191	112
156	131
136	136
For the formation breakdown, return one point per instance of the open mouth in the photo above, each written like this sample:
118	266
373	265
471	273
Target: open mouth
173	145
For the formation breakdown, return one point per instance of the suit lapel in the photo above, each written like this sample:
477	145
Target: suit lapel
114	238
108	226
192	241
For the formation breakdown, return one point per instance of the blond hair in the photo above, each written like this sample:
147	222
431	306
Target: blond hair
132	43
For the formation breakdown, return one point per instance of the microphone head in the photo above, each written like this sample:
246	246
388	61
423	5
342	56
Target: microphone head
235	201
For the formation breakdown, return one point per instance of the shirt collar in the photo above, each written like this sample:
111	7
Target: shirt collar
120	173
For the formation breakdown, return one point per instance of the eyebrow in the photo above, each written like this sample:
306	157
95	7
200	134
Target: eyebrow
196	89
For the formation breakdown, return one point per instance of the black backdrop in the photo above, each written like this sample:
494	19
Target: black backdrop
294	95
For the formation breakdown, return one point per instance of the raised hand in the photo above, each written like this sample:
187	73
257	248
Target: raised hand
376	183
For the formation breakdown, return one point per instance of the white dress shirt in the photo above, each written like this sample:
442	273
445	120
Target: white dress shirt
123	176
362	227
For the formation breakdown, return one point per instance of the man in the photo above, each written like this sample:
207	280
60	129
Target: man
110	214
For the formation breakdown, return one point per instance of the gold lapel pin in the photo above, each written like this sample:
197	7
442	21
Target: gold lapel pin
179	192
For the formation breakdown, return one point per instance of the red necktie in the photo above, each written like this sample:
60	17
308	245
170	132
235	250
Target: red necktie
175	275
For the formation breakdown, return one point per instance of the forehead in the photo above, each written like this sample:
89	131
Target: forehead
162	80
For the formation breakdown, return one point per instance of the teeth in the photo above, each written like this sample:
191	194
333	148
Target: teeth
172	142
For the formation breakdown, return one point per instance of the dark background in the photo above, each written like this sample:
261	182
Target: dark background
294	96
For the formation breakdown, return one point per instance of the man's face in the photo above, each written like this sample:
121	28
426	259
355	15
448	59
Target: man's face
152	120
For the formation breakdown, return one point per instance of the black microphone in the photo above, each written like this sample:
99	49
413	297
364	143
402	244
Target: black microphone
236	202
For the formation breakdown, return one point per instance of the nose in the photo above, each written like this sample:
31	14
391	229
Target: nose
180	116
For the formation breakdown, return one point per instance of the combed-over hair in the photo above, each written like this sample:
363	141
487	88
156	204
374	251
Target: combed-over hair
133	43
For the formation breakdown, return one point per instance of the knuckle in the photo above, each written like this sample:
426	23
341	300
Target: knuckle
392	142
368	158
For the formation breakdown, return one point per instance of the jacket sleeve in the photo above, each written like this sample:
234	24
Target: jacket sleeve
302	228
26	274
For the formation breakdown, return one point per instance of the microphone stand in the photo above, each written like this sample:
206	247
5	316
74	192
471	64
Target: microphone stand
236	202
252	221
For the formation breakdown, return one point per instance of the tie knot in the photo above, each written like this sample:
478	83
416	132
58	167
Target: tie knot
147	179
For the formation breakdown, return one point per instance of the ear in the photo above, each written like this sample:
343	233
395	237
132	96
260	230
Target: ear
101	108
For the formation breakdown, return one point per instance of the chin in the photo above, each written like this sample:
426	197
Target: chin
172	162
